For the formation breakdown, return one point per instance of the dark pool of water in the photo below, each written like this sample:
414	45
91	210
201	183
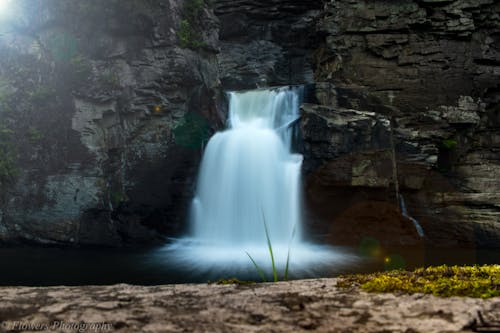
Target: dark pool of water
54	266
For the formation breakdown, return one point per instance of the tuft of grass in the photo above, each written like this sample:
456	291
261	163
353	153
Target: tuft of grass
288	254
270	248
446	281
259	270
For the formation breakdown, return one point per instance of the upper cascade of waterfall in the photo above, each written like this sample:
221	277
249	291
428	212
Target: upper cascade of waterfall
273	108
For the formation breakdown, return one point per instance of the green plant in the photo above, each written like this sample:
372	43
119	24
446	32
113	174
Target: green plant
63	46
4	88
259	270
110	80
4	106
449	144
81	67
192	131
8	167
193	8
189	38
288	254
233	281
116	197
189	32
470	281
35	135
42	95
4	97
270	248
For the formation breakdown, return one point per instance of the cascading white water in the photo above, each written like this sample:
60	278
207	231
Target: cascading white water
249	178
249	175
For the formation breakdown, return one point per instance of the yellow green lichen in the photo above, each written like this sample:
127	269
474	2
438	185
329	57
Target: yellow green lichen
232	281
470	281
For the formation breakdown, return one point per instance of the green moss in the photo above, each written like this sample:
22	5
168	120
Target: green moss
116	198
110	80
35	135
42	95
449	144
63	46
193	8
8	166
81	67
4	97
234	281
4	106
189	38
192	131
4	88
470	281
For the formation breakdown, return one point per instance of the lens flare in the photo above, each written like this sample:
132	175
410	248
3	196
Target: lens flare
394	261
4	5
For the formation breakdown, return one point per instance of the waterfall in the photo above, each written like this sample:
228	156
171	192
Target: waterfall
249	180
249	175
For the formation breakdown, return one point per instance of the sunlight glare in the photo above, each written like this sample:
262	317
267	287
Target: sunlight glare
4	4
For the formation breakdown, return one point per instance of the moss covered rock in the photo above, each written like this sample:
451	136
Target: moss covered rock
470	281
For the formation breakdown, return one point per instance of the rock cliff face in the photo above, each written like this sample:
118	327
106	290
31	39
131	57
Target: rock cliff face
104	108
104	115
432	69
267	43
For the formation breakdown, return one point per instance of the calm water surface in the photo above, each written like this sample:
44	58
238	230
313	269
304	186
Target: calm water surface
54	266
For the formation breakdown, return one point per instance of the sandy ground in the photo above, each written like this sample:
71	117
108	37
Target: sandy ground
297	306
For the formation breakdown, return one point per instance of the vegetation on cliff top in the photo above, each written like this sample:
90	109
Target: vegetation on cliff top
470	281
189	30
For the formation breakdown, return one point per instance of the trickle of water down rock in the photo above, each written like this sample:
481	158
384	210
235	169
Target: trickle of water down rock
249	179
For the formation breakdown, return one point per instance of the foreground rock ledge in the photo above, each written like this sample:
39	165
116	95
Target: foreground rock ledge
297	306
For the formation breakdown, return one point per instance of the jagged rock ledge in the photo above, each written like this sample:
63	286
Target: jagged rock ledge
296	306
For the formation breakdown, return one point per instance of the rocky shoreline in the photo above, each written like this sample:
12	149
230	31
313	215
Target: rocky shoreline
296	306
